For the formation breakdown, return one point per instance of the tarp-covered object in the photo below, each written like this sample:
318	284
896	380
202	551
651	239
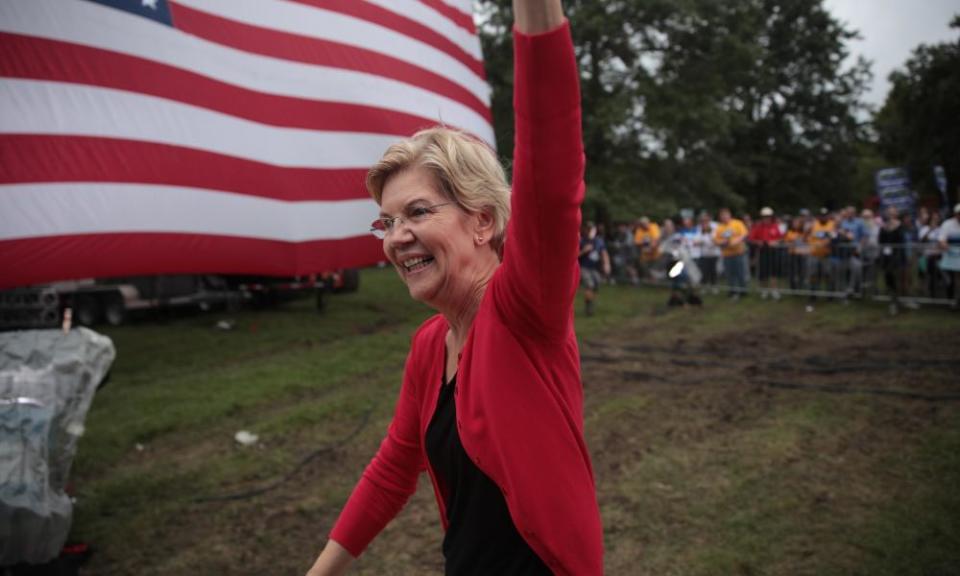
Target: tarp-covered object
215	136
47	382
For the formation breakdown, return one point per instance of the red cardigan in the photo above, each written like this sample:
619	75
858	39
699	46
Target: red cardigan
519	395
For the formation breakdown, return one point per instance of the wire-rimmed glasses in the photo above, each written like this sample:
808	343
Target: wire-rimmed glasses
413	214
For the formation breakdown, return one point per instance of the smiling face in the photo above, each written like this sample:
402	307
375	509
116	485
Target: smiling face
439	258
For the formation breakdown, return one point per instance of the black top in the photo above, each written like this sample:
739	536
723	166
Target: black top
893	242
481	537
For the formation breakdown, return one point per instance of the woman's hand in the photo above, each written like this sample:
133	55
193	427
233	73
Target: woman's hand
333	561
536	16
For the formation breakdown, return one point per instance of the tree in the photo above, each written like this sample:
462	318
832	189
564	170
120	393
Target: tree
918	124
703	103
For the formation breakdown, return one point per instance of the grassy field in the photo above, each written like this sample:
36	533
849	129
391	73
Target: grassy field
748	438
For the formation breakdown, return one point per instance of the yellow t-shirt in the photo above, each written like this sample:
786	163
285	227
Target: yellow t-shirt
732	231
796	240
820	235
646	241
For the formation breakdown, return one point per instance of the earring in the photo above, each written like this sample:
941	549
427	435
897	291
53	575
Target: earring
479	239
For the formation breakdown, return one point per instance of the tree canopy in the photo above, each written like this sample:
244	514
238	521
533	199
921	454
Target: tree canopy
698	103
919	124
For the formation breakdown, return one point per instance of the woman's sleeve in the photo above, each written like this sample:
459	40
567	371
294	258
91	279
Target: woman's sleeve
390	478
539	266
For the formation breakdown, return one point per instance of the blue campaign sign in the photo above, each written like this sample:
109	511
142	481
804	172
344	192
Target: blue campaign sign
893	189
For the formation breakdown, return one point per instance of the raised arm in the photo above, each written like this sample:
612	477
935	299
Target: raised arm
537	16
539	271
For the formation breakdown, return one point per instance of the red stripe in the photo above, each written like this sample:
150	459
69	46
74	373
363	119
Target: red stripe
459	18
39	260
318	52
396	22
30	57
34	158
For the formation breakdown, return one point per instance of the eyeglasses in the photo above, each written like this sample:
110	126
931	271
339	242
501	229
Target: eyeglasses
413	214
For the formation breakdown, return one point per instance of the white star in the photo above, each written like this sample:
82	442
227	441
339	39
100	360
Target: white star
151	3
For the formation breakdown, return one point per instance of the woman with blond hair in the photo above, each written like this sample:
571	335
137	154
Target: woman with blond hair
491	402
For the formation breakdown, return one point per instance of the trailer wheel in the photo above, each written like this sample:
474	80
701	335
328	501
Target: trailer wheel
114	310
48	299
50	317
86	310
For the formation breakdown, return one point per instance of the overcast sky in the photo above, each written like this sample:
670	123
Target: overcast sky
891	29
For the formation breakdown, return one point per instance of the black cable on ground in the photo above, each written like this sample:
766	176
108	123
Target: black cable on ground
365	419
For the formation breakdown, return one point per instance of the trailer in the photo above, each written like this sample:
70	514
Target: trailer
114	300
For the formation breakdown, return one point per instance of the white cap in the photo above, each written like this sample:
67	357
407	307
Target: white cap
766	211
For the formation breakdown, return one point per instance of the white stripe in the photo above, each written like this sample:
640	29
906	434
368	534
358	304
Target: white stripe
97	26
419	12
39	107
337	27
461	5
51	209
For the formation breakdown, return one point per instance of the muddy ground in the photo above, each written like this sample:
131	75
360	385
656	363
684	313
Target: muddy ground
767	449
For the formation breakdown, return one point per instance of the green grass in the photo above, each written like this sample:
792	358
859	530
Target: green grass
919	534
181	376
692	480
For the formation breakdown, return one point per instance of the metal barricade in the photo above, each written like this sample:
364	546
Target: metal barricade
906	273
909	272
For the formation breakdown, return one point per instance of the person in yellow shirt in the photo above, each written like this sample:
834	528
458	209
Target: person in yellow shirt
822	232
796	241
646	237
730	236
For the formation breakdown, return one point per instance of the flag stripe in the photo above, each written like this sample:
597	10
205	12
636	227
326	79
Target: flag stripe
38	58
32	158
55	209
306	33
25	107
415	20
74	23
435	20
456	15
41	260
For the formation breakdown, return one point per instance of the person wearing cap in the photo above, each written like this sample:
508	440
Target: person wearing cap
950	261
822	232
730	236
765	237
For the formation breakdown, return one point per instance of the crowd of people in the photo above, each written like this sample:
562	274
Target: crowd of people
841	253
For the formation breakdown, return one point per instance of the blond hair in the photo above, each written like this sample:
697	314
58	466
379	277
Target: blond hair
464	169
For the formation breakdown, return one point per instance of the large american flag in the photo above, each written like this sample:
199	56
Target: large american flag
214	136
